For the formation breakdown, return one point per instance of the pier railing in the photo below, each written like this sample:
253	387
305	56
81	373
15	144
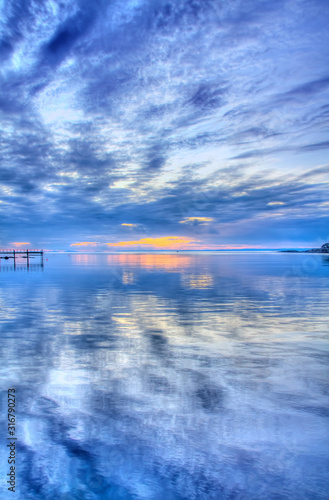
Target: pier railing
13	253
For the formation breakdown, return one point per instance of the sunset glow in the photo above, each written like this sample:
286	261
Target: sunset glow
84	244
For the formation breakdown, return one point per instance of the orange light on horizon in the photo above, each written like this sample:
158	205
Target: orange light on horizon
128	224
19	243
167	242
163	243
84	244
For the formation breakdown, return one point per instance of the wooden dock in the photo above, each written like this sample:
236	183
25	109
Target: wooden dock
14	254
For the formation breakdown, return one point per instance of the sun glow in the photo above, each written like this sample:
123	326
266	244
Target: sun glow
167	242
84	244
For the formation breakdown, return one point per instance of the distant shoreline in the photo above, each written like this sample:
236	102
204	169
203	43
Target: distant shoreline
323	249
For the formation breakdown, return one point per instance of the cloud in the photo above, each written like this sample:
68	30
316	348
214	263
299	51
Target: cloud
68	33
163	113
305	90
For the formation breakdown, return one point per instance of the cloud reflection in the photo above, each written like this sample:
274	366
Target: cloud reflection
199	281
146	389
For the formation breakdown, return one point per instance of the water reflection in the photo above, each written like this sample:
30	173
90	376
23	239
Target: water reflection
325	260
84	259
13	266
165	262
128	278
169	377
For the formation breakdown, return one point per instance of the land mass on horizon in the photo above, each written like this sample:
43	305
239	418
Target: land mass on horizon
324	249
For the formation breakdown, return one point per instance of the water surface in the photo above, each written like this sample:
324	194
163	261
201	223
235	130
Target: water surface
167	376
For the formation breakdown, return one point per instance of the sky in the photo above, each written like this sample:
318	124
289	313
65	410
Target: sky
159	125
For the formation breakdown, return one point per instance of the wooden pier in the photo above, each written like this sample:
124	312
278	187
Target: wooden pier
14	254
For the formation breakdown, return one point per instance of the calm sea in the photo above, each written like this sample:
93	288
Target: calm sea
167	376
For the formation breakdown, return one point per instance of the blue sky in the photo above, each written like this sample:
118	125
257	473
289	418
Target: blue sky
164	124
